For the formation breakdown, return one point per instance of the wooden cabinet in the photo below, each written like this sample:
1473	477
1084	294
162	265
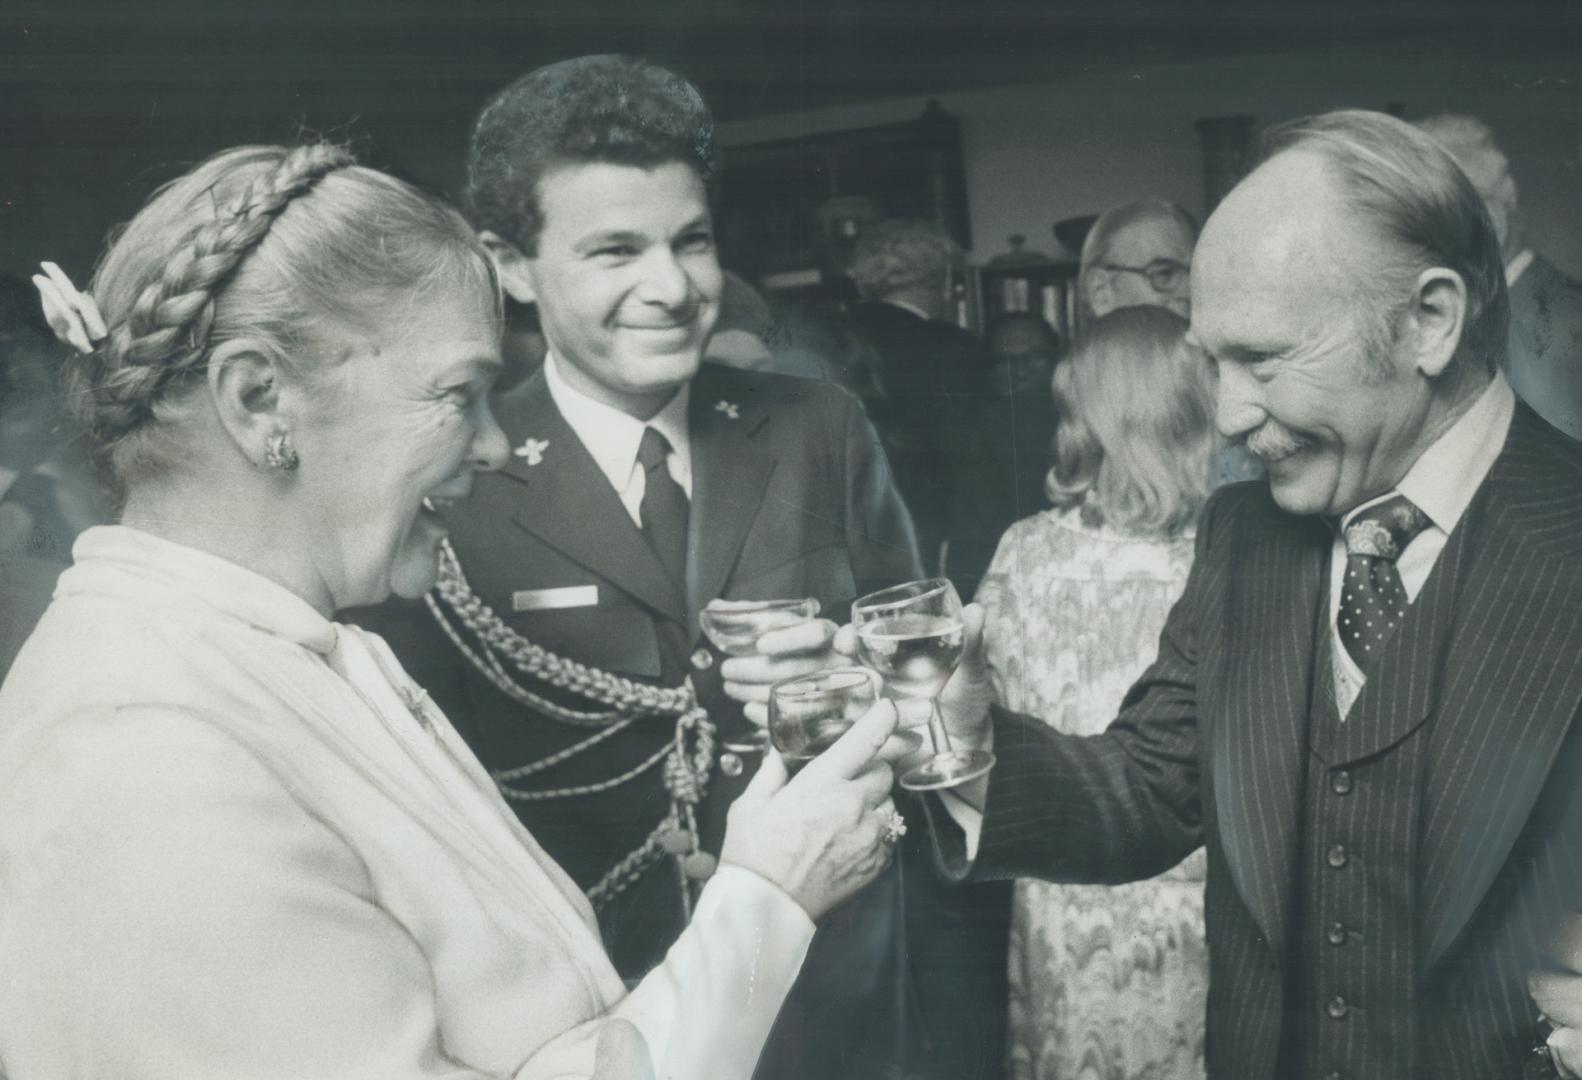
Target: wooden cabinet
1023	281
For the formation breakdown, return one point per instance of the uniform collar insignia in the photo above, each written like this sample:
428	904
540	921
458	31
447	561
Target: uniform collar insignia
532	450
730	409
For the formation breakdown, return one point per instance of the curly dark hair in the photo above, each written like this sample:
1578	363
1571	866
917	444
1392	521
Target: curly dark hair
617	109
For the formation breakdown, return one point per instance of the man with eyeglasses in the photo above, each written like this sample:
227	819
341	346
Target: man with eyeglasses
1138	253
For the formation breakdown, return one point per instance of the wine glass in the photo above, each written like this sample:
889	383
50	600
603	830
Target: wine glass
734	626
808	713
913	635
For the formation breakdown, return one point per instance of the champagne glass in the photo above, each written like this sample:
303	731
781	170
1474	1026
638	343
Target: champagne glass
734	626
808	713
913	635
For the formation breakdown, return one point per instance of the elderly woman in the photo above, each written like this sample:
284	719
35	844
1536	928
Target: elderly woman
236	841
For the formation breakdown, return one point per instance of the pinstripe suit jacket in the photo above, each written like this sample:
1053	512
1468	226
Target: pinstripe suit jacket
1211	747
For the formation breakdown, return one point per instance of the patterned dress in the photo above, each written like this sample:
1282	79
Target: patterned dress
1107	982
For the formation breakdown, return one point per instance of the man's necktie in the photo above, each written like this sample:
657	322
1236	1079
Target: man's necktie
664	506
1372	599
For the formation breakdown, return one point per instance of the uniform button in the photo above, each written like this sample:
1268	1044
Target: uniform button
702	659
730	764
1340	782
1336	1008
1336	856
1332	1076
1336	934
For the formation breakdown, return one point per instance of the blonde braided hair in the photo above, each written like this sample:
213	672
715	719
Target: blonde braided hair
263	242
165	337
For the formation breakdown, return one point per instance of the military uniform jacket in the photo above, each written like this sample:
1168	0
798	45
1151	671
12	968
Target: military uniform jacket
791	497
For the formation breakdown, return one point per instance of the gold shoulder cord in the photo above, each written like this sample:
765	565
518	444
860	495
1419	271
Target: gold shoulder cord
686	759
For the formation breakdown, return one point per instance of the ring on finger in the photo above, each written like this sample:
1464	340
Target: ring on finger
894	824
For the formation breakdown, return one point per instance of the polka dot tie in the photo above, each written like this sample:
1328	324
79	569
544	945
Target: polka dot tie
1372	599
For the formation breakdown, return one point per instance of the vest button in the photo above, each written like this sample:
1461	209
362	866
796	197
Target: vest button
1340	782
1336	1008
702	659
1336	934
1336	856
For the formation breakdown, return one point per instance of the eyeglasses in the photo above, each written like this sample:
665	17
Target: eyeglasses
1165	275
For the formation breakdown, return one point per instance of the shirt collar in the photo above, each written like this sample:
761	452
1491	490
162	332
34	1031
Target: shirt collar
1442	481
612	436
1517	266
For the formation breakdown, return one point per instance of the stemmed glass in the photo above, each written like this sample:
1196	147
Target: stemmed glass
809	713
913	635
734	626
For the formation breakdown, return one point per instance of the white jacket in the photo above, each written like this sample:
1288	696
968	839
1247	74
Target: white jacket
237	842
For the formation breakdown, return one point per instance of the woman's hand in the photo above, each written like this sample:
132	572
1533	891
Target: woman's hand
828	831
798	649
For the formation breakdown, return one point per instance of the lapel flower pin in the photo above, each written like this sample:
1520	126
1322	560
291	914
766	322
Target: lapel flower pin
729	409
532	450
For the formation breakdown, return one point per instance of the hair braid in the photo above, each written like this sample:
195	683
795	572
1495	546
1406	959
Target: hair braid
165	335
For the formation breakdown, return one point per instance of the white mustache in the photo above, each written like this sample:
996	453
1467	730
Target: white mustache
1274	442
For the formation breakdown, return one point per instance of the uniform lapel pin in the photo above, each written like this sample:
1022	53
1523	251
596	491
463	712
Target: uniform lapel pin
532	450
729	409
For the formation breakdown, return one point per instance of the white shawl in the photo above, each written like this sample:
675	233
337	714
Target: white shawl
237	841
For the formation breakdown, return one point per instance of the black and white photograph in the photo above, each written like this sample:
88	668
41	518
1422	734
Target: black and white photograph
763	540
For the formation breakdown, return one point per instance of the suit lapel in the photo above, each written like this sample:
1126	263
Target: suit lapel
1511	681
570	505
730	475
1260	732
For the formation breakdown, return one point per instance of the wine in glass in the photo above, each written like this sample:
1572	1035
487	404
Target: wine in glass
913	635
734	626
808	713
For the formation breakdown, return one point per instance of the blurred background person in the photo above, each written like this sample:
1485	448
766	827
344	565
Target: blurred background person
743	329
47	490
1000	446
1543	351
1024	350
933	372
1137	253
1106	981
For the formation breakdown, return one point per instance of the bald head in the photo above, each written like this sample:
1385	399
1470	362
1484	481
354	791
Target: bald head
1349	290
1259	251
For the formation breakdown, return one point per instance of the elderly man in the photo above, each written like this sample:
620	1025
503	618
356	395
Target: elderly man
1137	253
1543	354
1365	703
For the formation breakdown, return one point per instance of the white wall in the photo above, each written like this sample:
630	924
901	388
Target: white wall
1089	138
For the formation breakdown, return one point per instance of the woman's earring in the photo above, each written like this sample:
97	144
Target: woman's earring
278	453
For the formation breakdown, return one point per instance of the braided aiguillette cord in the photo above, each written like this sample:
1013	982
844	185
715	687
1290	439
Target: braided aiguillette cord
686	770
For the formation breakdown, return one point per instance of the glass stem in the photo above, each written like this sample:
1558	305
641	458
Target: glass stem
936	729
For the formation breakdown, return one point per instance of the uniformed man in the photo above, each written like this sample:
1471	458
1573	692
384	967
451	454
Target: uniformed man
642	485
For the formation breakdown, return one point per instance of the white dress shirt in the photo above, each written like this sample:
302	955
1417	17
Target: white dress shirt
612	437
1441	483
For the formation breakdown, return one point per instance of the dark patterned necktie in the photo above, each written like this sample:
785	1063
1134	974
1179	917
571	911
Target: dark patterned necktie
1372	599
664	506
